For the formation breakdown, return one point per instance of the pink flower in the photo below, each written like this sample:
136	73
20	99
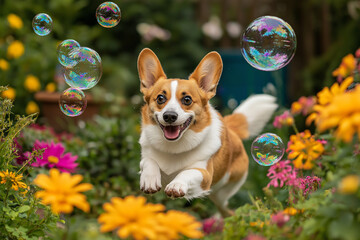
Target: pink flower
285	119
281	173
212	225
54	157
280	219
309	184
303	105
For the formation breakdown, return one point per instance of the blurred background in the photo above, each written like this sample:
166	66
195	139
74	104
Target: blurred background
180	32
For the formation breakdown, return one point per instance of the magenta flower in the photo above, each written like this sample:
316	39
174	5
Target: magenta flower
282	173
285	119
54	157
309	184
280	219
212	225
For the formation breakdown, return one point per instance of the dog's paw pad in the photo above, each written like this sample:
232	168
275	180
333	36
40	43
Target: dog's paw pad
176	190
150	184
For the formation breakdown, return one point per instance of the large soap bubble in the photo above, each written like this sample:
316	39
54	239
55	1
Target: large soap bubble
87	70
267	149
269	43
72	102
63	50
108	14
42	24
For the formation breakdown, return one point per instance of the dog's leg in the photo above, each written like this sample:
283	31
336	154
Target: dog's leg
221	197
150	178
190	183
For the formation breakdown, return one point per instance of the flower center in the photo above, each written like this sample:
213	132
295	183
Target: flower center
53	159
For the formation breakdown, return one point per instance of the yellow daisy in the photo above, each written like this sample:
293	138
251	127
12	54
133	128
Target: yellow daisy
14	21
349	184
10	93
131	216
62	191
347	66
342	113
13	179
31	108
15	50
304	149
32	83
4	65
50	87
175	223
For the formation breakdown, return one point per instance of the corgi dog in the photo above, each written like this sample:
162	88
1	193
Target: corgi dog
187	147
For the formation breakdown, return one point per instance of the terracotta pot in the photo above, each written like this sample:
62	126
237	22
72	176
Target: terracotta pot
50	110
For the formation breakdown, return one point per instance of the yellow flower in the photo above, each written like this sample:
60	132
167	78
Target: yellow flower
304	149
15	50
14	21
32	107
50	87
32	83
13	179
343	113
347	66
175	222
131	216
62	191
290	211
10	93
325	96
4	65
349	184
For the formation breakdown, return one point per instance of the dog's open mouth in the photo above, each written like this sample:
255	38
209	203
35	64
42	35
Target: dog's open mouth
173	132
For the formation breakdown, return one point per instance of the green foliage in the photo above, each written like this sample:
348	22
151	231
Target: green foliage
21	215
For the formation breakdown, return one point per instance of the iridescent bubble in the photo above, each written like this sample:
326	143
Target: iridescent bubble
267	149
42	24
63	50
87	70
268	43
108	14
72	102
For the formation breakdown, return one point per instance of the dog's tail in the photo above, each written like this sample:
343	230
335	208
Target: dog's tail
249	119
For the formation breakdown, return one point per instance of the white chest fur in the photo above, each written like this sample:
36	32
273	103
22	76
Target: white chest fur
191	150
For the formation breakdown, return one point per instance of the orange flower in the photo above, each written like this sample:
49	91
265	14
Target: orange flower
31	108
15	50
342	113
32	83
346	68
326	96
14	21
4	65
10	93
304	149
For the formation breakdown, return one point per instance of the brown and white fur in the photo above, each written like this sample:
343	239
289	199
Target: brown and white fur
187	146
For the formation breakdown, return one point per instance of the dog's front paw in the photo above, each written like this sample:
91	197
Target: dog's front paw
150	183
176	189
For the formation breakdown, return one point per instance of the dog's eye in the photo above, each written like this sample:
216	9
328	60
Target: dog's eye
186	100
161	99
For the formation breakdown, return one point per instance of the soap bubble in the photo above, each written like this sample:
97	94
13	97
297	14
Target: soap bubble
268	43
63	50
42	24
267	149
72	102
87	70
108	14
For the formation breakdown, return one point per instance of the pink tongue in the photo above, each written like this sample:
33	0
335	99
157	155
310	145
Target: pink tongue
172	132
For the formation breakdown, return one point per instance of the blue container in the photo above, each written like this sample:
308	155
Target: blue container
239	80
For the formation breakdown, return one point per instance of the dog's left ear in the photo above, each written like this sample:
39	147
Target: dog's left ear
208	72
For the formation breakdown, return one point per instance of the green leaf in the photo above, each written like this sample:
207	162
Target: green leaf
24	208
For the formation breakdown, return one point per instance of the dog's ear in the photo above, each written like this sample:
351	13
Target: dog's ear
149	69
208	72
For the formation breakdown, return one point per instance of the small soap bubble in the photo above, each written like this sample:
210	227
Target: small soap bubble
87	70
267	149
63	50
268	43
42	24
72	102
108	14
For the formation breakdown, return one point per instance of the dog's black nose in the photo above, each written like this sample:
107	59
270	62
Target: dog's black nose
170	116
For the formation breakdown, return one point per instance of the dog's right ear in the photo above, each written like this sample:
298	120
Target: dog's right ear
149	69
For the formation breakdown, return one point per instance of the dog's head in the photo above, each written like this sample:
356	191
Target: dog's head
176	105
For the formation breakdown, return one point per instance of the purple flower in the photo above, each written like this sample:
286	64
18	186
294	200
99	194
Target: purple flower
54	157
